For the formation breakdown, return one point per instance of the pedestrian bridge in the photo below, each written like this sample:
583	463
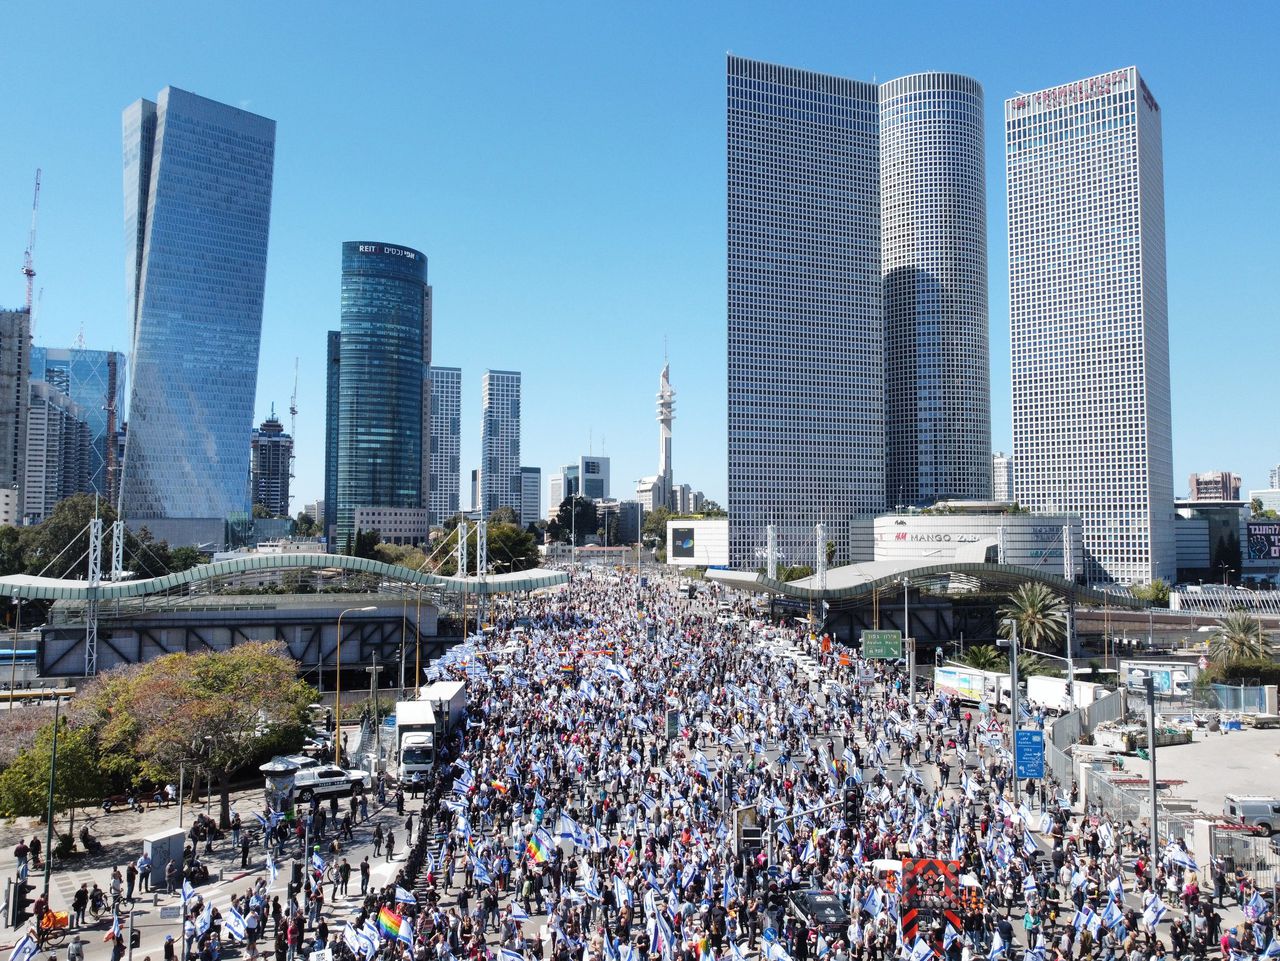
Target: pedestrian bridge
28	586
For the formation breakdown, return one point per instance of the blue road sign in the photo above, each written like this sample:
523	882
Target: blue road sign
1028	753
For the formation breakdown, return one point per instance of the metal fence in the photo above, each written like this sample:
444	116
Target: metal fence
1250	853
1067	730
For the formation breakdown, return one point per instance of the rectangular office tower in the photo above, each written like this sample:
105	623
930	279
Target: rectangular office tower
445	420
805	339
499	481
1090	334
197	191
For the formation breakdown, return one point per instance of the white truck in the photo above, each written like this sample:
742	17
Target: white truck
973	686
1051	693
449	700
415	739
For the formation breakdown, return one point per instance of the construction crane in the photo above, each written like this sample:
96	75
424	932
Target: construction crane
28	266
293	417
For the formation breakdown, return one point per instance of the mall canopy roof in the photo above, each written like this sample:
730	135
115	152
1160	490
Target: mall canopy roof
57	589
853	582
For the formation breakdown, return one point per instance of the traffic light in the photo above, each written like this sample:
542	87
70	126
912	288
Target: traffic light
20	903
852	805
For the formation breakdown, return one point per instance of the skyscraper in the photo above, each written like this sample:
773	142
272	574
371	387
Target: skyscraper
530	494
197	189
332	368
1217	485
805	338
272	461
59	451
382	356
445	392
500	483
937	391
1090	337
94	380
15	396
1001	476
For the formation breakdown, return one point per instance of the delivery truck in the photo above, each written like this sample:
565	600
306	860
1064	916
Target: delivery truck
415	739
972	686
1051	693
449	699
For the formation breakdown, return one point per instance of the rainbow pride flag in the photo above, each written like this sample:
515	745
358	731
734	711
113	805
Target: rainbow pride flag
389	922
539	848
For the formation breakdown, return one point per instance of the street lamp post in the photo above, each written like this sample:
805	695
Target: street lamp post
373	673
13	665
909	646
337	687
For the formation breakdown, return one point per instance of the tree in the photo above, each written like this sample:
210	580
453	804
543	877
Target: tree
61	542
306	525
261	512
1156	593
184	558
209	712
1238	637
1039	615
655	526
504	515
24	786
1029	664
366	544
711	509
576	515
511	548
984	657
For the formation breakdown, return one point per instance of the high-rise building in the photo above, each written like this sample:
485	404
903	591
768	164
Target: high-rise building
500	484
806	320
937	391
1218	485
272	463
381	374
555	493
475	489
1092	430
315	510
1273	476
593	475
530	494
445	424
15	395
59	451
333	368
1001	476
95	380
197	190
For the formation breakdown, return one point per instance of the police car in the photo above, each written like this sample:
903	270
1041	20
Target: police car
327	780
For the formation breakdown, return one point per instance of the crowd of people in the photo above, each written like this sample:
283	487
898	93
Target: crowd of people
640	780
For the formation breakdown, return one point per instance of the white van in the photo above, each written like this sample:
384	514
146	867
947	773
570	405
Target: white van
1254	811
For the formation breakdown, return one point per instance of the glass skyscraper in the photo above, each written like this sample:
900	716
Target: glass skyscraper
332	367
937	390
445	419
1092	431
805	339
500	482
95	380
384	343
197	188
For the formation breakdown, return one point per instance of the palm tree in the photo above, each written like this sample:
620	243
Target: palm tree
1029	664
1039	614
984	657
1238	637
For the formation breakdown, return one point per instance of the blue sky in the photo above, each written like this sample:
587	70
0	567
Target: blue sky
562	166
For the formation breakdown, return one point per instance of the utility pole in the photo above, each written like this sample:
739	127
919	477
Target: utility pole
1149	683
1014	707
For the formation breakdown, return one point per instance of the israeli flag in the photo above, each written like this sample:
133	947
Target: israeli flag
1255	907
1116	887
621	892
1112	916
205	921
272	869
405	897
25	950
1154	913
317	862
998	948
872	902
262	821
506	954
481	874
405	934
1273	949
351	939
518	913
921	950
949	937
1178	856
233	924
1078	880
1029	885
1086	917
188	892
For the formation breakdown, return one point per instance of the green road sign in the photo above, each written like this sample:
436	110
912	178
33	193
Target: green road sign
882	644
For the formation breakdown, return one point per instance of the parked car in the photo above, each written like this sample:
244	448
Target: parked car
1255	811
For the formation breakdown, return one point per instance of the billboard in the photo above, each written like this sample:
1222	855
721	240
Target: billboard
682	542
1264	540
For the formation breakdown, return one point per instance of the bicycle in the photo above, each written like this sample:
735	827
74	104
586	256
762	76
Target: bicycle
53	928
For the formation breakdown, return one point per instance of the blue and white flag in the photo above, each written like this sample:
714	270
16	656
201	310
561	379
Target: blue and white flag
352	940
921	951
317	862
205	921
405	897
735	951
1029	885
233	924
188	892
506	954
25	950
949	937
1177	855
621	892
272	869
262	821
1154	913
1116	887
518	913
1086	917
481	874
405	934
872	902
998	947
1255	907
1273	949
1112	916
